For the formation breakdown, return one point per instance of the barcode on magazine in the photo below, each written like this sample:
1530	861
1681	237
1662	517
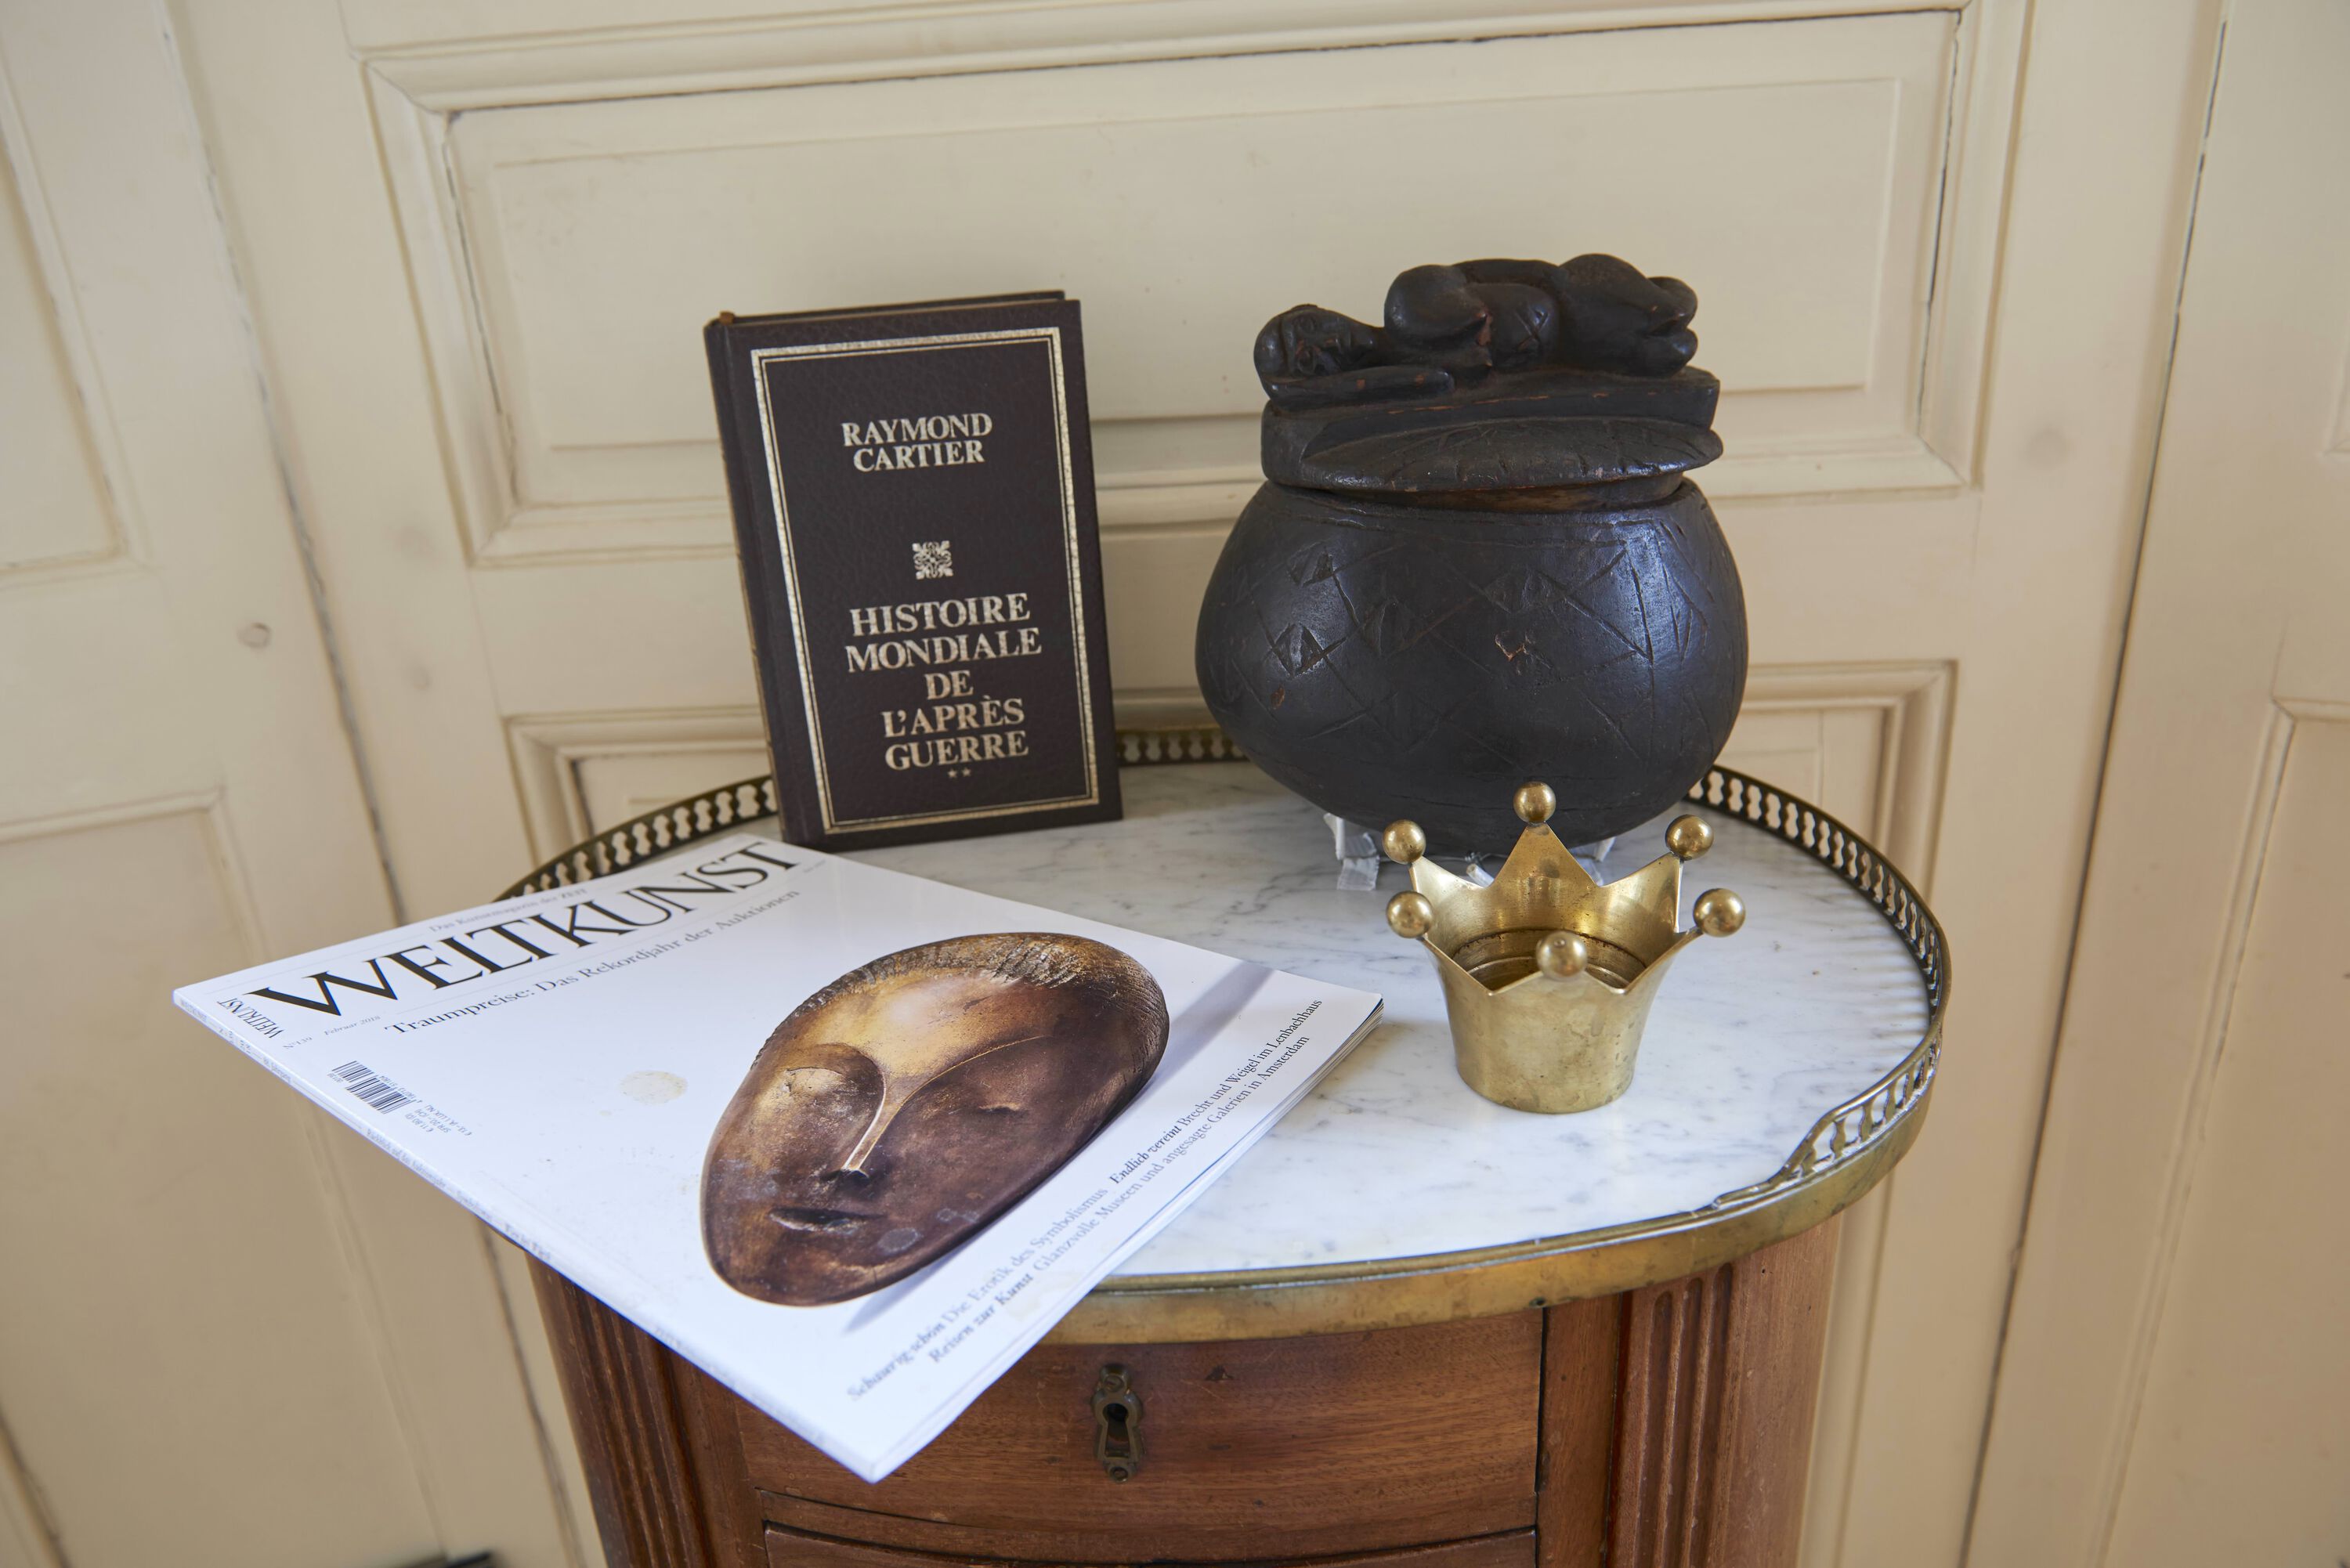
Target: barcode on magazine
379	1092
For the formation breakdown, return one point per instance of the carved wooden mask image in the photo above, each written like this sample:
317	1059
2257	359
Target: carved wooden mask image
914	1099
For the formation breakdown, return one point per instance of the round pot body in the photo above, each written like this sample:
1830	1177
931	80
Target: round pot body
1392	660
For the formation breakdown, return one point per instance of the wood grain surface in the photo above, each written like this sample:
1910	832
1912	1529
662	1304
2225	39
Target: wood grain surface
625	1417
1720	1375
1581	1344
794	1549
1666	1427
1251	1449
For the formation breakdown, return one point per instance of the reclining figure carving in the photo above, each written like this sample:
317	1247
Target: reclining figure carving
1453	327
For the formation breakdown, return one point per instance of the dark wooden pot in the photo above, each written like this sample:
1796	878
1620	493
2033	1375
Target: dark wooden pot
1423	656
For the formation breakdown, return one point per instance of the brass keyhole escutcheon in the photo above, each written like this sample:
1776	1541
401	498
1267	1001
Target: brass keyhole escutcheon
1117	1424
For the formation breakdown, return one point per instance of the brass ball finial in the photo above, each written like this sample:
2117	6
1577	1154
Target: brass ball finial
1411	915
1404	841
1689	836
1719	913
1562	955
1534	803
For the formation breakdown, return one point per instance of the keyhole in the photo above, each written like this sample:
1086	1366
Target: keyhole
1113	1415
1117	1421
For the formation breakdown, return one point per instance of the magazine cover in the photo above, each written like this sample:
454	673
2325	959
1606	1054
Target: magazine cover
849	1140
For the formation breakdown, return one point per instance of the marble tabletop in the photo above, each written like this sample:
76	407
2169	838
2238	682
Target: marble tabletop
1753	1039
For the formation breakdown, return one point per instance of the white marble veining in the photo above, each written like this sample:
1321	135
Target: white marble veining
1752	1038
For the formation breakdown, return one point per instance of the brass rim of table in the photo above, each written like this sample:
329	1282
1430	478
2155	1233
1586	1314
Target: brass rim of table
1846	1153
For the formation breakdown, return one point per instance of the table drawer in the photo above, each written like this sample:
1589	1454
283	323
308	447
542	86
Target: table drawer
792	1549
1248	1449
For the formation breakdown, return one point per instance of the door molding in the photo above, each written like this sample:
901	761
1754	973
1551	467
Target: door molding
93	415
2236	658
539	51
418	86
550	749
2153	1205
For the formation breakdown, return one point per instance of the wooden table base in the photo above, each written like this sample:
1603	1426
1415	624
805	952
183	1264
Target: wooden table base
1666	1427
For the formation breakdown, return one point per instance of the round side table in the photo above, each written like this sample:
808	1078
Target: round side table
1410	1327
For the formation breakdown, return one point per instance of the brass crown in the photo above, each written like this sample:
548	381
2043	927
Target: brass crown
1548	974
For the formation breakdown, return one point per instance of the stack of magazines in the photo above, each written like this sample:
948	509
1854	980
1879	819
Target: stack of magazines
849	1140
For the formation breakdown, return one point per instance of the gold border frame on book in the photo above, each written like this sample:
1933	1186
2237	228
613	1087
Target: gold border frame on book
1049	338
1846	1152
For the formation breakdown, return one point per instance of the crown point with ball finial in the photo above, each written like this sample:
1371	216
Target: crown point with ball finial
1719	913
1411	915
1689	837
1562	955
1548	972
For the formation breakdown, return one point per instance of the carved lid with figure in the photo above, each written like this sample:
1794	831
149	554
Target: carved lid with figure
1485	377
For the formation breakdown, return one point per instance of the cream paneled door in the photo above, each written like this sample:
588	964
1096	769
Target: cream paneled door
480	237
225	1329
2176	1385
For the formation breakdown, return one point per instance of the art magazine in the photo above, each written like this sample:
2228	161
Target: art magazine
850	1141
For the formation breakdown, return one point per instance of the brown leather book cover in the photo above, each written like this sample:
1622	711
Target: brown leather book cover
914	514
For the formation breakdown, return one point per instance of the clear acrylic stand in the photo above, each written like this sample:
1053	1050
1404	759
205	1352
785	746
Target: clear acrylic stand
1357	848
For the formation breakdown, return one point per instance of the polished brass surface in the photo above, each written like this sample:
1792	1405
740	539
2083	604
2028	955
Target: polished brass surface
1502	957
1549	974
1847	1151
1562	955
728	806
1719	912
1404	842
1409	915
1689	836
1142	747
1117	1424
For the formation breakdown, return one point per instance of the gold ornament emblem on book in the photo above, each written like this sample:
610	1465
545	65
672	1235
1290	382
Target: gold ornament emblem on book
1549	973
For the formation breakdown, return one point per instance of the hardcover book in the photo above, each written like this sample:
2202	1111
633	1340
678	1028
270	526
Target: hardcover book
849	1140
914	515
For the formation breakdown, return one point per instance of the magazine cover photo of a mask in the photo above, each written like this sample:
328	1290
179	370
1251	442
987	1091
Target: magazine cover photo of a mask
914	1099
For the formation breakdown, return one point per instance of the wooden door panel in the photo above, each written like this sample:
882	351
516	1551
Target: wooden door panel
58	513
2175	1382
1866	743
175	1300
477	260
228	1331
1811	151
2246	1413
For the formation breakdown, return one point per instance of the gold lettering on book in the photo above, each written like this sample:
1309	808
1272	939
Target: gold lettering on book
933	441
956	725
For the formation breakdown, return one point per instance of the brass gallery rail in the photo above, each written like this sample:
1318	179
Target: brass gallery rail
1844	1154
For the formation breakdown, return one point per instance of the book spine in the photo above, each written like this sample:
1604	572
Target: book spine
718	341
